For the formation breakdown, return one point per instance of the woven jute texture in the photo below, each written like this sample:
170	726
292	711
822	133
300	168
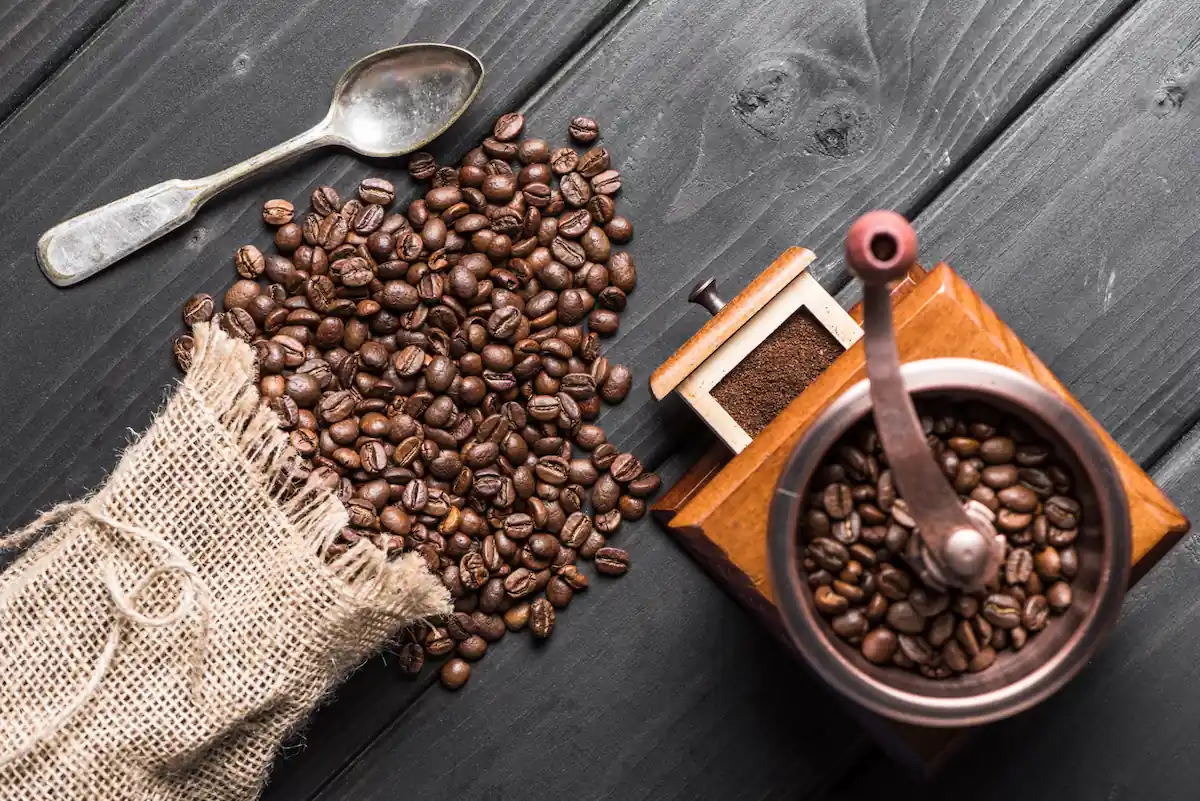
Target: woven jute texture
165	635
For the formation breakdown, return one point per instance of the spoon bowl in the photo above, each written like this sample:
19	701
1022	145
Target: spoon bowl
400	99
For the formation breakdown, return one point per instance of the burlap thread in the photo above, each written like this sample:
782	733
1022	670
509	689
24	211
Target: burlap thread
164	636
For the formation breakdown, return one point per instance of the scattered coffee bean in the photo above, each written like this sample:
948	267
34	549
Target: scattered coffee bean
441	369
278	212
583	129
541	618
455	674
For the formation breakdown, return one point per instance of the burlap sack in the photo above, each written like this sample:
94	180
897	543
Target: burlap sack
165	635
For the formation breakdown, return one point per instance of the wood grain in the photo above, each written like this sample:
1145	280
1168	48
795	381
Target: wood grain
179	88
38	36
1079	228
744	128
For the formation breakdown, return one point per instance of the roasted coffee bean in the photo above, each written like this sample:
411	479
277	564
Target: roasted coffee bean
625	468
1062	512
616	387
850	625
517	616
982	660
1035	613
879	645
999	477
1059	596
198	309
612	561
508	126
390	349
377	191
1018	566
903	618
1068	564
278	212
837	501
829	602
583	129
1047	563
455	673
541	618
894	584
1018	498
1002	611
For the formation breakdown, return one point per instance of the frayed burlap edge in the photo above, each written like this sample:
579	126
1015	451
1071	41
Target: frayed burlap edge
223	377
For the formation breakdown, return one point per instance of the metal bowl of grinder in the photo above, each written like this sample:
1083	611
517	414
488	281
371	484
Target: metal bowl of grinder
1017	680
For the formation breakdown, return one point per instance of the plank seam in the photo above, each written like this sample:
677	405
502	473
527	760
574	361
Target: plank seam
52	69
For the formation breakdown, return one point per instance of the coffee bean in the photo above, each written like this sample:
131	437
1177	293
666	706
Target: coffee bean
982	660
625	468
894	584
1037	480
1002	611
1019	566
583	129
1035	613
198	309
1059	596
455	674
879	646
612	561
508	127
1062	512
1047	563
278	212
1068	563
850	625
903	618
1018	498
829	602
376	191
517	616
541	618
837	501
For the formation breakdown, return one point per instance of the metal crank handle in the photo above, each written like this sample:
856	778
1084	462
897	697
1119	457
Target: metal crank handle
881	246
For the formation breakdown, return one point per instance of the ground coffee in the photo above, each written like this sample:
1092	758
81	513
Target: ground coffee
778	370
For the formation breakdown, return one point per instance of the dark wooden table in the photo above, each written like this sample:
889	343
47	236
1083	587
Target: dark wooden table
1045	148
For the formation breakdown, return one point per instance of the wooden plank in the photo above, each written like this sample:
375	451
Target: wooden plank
1078	229
181	88
745	127
737	141
37	37
653	686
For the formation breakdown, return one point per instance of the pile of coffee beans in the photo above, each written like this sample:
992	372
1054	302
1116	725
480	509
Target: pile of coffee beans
859	531
441	369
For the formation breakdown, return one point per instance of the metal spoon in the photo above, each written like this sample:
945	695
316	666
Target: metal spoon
390	103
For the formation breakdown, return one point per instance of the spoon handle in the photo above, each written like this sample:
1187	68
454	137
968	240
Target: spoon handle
95	240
